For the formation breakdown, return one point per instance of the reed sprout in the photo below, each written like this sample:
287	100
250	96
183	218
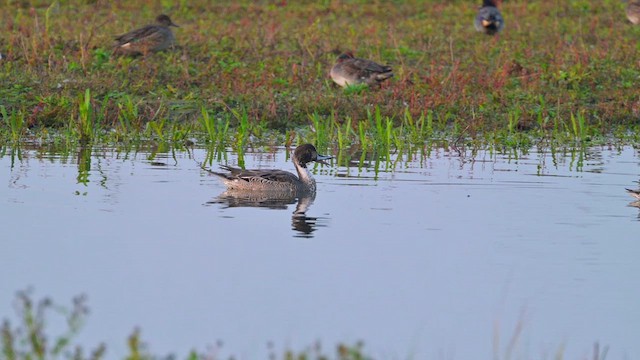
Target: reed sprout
14	122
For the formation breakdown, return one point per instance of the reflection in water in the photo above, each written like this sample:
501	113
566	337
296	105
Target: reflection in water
15	153
300	222
636	195
84	165
637	205
16	174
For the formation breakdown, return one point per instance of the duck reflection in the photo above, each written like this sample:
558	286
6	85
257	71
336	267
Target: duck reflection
300	222
275	189
636	195
635	204
305	225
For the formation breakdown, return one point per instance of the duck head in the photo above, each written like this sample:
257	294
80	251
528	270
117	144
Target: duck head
165	20
307	153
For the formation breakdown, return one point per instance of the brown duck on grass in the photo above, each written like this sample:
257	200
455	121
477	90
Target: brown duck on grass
145	40
489	19
350	70
633	12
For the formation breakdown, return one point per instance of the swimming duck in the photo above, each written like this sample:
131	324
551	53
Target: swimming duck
633	12
276	181
150	38
489	20
350	70
634	193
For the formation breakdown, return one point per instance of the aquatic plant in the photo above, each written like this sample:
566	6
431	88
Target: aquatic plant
31	339
579	127
321	126
243	129
128	117
14	122
344	133
86	126
156	128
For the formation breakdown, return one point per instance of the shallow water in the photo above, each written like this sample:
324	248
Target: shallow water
441	256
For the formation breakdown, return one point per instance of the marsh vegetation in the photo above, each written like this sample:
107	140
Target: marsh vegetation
561	72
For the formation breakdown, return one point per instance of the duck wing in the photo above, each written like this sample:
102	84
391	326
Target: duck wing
261	176
634	193
367	67
146	32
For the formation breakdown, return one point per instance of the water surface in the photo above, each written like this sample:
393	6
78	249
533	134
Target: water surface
436	255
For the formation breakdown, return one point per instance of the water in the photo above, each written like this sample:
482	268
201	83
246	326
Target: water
440	256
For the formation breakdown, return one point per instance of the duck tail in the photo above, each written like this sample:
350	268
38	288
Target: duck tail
634	193
218	174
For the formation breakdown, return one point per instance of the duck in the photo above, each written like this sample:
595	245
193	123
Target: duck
489	19
633	12
350	70
151	38
634	193
276	181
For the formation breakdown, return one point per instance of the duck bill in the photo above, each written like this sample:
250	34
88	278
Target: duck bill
321	159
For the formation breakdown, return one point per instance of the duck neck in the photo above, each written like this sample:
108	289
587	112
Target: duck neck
309	183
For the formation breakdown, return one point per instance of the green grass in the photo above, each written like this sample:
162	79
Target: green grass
560	70
14	122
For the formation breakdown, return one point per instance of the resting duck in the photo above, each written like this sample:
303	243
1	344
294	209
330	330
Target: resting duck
489	20
350	70
150	38
633	12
